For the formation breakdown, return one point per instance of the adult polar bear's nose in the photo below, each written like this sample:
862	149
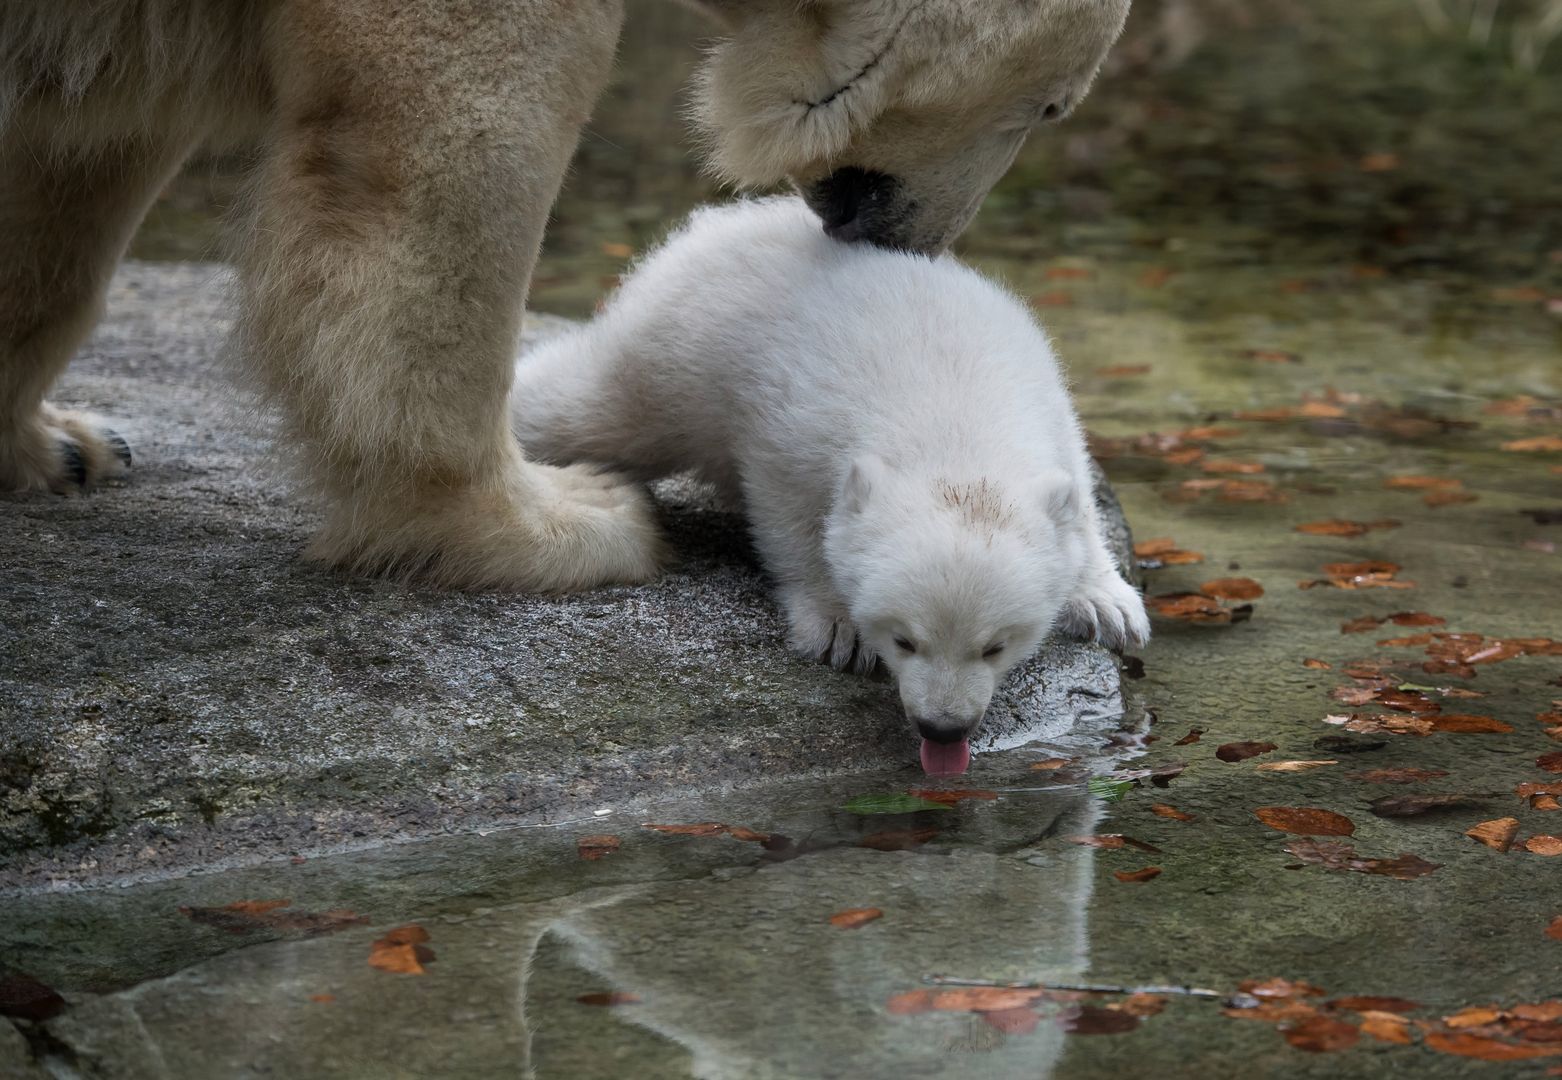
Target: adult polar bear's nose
857	204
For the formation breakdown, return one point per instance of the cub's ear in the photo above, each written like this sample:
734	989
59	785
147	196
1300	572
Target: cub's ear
1059	495
866	473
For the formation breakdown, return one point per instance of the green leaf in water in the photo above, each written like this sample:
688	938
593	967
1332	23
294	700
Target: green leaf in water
891	804
1415	686
1110	790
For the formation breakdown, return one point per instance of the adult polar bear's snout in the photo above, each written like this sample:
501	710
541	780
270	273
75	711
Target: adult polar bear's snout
894	118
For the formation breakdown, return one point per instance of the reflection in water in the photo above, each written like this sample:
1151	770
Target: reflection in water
743	971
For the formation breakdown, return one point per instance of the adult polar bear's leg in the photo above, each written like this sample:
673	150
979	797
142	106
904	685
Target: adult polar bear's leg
416	152
65	216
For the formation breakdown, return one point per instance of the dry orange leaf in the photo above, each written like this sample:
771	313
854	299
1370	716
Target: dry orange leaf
1539	443
703	828
1486	1048
1321	1034
1544	845
1317	665
1529	791
1144	874
401	951
1229	466
1375	1003
1278	988
1386	1026
1305	820
1339	527
962	999
1292	766
1469	724
1141	1004
1161	809
1422	482
1192	607
1497	833
592	848
1551	762
1449	497
1554	931
852	918
1234	588
1050	764
1545	802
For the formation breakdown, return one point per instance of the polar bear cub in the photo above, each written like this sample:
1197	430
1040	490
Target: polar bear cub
895	426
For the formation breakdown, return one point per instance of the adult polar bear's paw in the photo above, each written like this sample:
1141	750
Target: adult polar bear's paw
62	451
541	530
1107	609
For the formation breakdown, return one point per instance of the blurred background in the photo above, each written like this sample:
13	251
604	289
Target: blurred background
1389	135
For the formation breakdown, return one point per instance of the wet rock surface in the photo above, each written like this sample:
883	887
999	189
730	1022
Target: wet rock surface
181	690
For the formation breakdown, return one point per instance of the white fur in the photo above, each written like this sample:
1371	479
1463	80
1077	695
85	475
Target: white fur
896	427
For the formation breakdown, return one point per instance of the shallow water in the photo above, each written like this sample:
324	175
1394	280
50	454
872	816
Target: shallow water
1393	361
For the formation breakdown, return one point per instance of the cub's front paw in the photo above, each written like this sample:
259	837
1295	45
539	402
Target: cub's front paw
820	632
1109	610
62	451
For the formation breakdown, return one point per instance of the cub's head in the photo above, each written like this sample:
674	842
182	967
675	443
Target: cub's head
952	584
894	117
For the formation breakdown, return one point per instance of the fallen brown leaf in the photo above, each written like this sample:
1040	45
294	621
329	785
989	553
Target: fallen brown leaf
1529	791
1193	736
1470	725
1292	766
1320	1034
703	828
1422	482
1227	465
1544	845
897	839
1162	810
25	998
1241	751
1113	840
1279	989
962	999
1551	762
950	796
609	997
1192	607
1095	1020
1370	724
1497	833
1143	874
1544	802
1554	931
1051	763
401	951
1238	588
1372	1003
1305	820
592	848
1486	1048
1340	527
1341	857
1398	806
1398	776
1385	1026
1020	1021
1141	1004
852	918
1540	443
1317	665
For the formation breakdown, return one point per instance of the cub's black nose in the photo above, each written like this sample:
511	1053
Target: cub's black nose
853	203
943	730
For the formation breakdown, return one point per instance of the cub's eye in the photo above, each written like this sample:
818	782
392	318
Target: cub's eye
903	645
992	651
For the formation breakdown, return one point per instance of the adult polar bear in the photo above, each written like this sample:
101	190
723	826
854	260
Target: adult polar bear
411	153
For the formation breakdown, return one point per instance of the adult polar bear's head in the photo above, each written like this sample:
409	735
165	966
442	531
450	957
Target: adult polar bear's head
894	117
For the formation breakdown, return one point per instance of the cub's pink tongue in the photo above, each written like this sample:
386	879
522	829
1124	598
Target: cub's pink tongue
945	759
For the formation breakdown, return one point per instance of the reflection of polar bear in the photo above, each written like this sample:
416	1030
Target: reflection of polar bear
744	972
411	153
898	432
